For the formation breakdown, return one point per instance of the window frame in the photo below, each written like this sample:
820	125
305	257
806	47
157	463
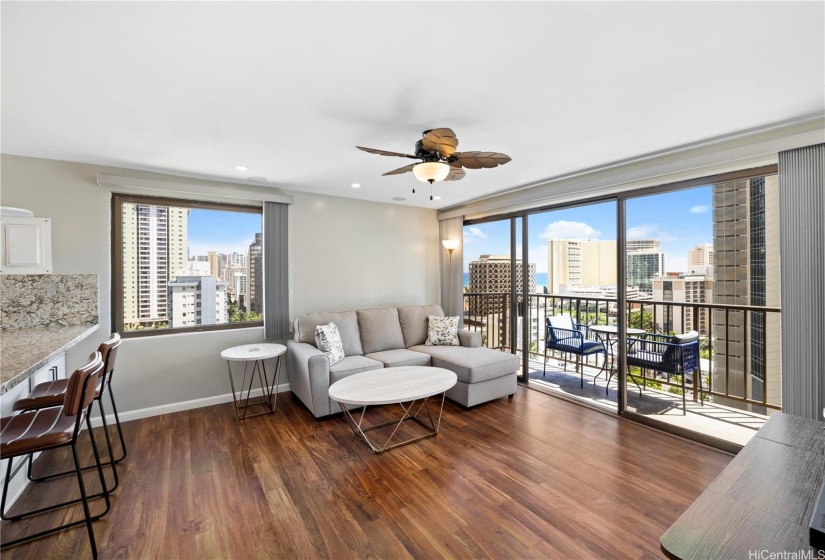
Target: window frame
117	292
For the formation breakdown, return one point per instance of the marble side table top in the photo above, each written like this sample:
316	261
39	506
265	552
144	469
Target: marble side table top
253	352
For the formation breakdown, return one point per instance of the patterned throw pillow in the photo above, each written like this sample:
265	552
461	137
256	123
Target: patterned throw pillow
442	331
328	341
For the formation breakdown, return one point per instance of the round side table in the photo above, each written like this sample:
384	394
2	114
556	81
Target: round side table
255	353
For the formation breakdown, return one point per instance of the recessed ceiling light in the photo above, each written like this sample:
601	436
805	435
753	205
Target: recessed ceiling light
241	168
356	185
258	179
399	198
436	198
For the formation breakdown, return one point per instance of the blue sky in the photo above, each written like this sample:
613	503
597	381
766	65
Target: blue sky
221	231
680	220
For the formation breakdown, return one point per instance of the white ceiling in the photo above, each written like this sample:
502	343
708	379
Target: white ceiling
288	89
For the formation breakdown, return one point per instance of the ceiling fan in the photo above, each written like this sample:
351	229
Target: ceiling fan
439	159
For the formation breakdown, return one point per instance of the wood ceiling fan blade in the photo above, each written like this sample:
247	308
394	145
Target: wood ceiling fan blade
400	170
455	174
385	152
479	160
442	140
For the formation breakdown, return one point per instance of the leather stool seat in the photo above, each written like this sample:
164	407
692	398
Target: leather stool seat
48	393
35	431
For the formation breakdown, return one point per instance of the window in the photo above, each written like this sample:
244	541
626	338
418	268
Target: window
168	252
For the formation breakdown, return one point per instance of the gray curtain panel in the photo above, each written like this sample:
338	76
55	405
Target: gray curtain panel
802	246
276	271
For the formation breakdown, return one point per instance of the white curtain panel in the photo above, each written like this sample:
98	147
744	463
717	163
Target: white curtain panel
452	274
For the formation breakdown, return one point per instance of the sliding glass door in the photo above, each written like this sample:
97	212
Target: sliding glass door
660	304
572	312
703	307
518	280
492	282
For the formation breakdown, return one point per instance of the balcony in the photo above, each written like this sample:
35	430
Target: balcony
739	348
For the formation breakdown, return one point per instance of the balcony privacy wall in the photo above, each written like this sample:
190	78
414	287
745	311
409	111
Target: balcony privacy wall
802	206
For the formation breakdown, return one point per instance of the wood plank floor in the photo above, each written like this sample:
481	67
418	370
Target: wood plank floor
530	477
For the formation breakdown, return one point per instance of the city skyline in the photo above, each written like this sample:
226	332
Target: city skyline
689	223
163	287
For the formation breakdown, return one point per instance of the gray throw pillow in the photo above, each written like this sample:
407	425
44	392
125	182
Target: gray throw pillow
442	331
328	341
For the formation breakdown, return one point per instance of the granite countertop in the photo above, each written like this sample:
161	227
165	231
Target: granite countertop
24	351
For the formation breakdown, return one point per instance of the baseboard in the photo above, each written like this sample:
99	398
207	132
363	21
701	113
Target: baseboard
173	407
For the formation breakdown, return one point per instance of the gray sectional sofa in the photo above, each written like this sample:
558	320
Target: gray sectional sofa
387	337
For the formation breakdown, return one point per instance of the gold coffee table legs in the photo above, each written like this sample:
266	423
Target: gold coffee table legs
269	390
432	426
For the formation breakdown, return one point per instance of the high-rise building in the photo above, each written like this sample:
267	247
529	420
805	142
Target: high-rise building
643	267
492	274
645	262
746	272
598	263
256	275
236	259
683	288
154	252
572	262
701	255
238	286
196	300
642	245
214	264
593	263
236	279
564	264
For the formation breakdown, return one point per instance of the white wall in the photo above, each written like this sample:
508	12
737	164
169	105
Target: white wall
350	254
344	253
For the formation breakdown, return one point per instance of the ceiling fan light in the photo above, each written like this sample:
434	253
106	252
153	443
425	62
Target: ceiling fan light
431	171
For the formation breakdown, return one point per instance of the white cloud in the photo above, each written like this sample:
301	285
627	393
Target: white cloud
652	231
698	209
645	231
564	229
473	234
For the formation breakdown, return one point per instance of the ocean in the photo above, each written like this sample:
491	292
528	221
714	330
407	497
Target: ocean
541	280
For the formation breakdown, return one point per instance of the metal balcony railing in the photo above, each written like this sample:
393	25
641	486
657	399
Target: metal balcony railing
740	344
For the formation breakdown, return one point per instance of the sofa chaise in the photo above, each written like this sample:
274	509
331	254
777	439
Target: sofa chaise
387	337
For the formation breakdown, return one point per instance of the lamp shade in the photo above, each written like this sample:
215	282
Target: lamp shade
431	171
450	244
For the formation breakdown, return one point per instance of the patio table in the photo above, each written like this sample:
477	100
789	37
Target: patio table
609	336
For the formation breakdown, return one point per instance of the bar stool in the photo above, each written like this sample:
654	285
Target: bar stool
51	393
51	428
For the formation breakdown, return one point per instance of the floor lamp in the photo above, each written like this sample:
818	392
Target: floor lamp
451	245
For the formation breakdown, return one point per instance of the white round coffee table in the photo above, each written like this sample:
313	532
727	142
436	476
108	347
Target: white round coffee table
255	353
405	386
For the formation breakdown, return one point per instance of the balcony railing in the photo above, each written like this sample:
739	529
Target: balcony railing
739	344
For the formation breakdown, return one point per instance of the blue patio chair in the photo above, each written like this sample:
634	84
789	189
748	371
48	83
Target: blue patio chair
562	335
670	355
